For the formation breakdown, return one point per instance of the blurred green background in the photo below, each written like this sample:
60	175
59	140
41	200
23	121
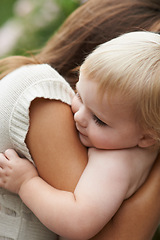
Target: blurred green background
26	25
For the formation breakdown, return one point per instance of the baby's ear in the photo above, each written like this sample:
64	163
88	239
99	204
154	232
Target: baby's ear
146	141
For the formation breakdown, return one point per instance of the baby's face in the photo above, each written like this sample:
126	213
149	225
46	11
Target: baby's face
103	124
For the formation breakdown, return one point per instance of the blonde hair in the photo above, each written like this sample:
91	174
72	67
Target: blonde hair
130	65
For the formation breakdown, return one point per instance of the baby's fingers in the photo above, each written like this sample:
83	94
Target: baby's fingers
4	170
11	154
3	161
8	177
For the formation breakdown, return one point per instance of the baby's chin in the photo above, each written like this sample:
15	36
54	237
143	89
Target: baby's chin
85	141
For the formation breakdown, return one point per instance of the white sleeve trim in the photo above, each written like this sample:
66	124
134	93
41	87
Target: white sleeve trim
57	89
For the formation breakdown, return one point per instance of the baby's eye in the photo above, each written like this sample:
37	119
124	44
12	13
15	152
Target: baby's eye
98	121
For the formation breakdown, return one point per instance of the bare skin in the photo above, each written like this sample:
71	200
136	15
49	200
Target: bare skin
52	126
131	227
50	172
7	169
128	229
138	213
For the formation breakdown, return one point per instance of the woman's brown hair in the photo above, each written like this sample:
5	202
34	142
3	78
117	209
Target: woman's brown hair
91	24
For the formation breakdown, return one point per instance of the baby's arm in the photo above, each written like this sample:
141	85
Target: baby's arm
131	221
80	215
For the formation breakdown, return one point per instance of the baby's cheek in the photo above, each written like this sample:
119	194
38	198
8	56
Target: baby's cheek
74	104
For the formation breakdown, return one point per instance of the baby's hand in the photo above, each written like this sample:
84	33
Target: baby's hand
14	171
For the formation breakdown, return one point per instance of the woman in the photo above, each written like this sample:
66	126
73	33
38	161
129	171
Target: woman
90	25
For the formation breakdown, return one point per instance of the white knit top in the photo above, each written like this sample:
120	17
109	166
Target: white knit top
17	90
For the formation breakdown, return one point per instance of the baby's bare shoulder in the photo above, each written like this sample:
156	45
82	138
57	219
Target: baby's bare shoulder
115	154
117	161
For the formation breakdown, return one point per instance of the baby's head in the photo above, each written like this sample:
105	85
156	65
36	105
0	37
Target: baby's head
130	67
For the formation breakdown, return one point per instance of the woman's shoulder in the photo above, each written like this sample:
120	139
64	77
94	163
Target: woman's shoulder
26	84
35	71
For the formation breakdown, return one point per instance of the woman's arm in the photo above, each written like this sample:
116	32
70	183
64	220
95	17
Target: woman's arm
54	144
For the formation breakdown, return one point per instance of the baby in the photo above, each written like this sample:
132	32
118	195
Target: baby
116	111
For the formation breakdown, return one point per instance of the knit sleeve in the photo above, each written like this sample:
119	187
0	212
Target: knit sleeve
37	81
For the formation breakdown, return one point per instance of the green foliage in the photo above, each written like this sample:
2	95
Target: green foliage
67	6
38	36
6	10
40	23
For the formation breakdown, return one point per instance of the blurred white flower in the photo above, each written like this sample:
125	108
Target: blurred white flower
83	1
23	7
9	34
47	12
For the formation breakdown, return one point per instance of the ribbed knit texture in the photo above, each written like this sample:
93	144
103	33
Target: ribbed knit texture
17	90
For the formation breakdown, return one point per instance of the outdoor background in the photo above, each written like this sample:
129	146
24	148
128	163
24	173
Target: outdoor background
26	25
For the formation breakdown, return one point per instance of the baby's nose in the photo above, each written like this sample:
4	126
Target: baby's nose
80	117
